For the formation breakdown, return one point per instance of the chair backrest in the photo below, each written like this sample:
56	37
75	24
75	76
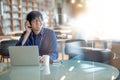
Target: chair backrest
100	55
72	47
6	44
78	50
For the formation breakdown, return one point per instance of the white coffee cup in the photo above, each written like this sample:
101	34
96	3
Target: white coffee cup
46	69
46	59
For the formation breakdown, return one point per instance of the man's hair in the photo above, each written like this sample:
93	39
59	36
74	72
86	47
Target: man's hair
34	14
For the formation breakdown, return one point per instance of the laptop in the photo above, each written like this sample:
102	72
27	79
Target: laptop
24	73
24	55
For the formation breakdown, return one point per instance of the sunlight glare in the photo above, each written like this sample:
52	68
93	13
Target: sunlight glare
101	20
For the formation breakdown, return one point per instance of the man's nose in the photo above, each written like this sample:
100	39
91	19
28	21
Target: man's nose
37	21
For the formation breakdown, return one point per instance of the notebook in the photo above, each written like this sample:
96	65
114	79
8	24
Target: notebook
24	55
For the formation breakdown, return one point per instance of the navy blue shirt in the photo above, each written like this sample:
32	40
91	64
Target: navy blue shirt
46	41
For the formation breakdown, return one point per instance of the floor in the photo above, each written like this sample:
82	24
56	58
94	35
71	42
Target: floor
64	58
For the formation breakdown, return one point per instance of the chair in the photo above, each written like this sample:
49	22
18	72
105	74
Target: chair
0	53
4	48
77	49
97	55
72	47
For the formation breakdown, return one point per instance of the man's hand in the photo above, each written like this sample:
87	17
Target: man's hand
27	27
42	59
28	31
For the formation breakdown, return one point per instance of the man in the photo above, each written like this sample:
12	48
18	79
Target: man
36	34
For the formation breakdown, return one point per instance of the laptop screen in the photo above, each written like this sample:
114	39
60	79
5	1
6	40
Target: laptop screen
24	55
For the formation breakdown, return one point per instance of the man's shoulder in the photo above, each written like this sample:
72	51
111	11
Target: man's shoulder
48	30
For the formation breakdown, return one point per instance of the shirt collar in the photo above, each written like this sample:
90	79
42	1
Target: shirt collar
41	32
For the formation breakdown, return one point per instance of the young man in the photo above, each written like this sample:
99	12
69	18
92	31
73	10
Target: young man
36	34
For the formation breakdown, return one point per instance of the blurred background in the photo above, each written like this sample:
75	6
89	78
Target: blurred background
94	21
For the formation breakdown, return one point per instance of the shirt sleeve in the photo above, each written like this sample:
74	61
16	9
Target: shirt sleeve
53	46
19	43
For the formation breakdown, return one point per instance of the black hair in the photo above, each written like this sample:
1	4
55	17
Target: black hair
33	14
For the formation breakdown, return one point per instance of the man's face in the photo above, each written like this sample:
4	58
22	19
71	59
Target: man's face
36	24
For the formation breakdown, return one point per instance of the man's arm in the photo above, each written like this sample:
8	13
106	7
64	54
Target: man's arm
25	35
53	46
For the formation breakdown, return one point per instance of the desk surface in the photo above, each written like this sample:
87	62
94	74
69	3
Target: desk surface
5	38
68	70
